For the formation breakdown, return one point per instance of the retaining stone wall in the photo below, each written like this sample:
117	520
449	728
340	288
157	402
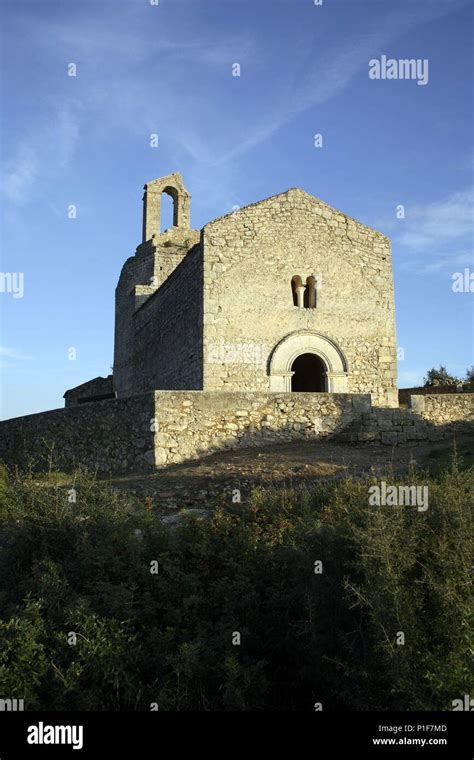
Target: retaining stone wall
137	433
430	418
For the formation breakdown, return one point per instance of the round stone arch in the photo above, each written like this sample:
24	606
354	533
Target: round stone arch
307	342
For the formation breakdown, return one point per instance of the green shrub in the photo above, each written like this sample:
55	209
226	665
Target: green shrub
86	625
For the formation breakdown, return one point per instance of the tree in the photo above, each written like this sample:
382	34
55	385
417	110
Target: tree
439	376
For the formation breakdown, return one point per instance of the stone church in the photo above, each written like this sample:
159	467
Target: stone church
286	294
273	323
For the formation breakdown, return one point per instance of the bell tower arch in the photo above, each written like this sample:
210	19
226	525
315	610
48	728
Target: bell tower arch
173	186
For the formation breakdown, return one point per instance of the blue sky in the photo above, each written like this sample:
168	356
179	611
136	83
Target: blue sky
167	69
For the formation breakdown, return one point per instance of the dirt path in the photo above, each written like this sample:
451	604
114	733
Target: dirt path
193	484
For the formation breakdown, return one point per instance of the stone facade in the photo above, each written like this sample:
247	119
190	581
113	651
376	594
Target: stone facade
251	258
232	307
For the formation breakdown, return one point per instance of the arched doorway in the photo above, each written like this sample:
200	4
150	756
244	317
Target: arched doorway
294	345
309	374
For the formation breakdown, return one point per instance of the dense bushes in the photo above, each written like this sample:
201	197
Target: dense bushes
80	572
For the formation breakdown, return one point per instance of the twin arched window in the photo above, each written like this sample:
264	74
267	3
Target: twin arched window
304	296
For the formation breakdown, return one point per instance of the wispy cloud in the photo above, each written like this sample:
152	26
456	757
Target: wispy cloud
436	224
434	237
437	236
450	262
119	86
124	40
45	152
319	81
13	353
10	356
120	61
21	173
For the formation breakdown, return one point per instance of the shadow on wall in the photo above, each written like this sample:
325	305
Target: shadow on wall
397	427
88	436
367	431
250	438
142	432
357	433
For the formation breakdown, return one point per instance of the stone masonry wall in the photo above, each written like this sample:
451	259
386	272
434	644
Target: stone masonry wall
155	429
136	433
192	424
250	257
443	409
152	268
430	418
423	390
158	335
108	436
99	386
167	344
154	264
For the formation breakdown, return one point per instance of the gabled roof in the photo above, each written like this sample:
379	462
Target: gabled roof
99	379
298	190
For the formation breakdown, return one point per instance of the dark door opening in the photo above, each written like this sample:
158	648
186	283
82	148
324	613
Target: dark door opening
309	374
